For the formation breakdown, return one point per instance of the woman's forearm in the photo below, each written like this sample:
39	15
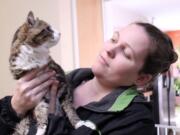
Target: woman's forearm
8	117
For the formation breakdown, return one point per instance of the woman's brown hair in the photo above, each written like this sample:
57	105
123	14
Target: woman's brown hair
161	54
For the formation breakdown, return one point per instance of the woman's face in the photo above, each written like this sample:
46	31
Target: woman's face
122	57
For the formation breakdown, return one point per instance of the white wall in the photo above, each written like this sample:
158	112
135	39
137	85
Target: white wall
13	13
116	16
162	13
168	21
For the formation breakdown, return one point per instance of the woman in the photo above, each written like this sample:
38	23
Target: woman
105	96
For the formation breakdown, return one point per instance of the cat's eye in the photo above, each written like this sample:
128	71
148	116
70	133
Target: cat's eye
49	29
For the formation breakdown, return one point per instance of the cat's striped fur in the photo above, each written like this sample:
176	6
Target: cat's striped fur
30	50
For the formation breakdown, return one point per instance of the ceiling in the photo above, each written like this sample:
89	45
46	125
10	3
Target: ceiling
165	13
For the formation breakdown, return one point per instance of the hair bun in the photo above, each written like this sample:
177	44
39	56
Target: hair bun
165	70
166	65
174	57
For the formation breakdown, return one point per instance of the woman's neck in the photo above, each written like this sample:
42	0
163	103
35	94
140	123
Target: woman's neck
90	91
97	88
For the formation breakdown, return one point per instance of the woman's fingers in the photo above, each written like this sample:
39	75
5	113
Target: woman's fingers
30	75
26	87
30	89
41	87
41	78
40	95
53	96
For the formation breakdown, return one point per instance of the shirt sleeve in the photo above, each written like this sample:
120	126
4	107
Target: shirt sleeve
138	128
136	120
59	125
8	117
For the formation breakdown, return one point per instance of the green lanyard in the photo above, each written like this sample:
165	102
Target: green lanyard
124	99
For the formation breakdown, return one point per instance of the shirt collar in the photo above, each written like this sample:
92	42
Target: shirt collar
116	101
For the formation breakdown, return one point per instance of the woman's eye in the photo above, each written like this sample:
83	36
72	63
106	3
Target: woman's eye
126	55
113	40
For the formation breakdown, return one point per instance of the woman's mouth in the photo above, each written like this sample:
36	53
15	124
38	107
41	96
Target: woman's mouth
103	60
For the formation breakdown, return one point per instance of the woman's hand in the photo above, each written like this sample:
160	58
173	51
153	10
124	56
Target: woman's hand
30	89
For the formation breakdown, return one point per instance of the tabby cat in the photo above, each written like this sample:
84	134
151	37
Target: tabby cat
30	50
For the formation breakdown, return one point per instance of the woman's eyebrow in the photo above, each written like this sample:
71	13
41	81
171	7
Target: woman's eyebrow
126	44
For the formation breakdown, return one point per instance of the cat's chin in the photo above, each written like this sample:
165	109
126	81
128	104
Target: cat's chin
53	42
56	37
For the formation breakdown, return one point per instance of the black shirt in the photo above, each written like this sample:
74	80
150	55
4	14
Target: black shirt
122	112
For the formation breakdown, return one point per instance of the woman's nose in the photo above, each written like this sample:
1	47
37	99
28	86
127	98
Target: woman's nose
111	52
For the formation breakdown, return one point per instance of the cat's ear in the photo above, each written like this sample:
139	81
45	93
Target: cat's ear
30	18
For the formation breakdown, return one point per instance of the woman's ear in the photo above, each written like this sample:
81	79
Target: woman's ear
143	79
